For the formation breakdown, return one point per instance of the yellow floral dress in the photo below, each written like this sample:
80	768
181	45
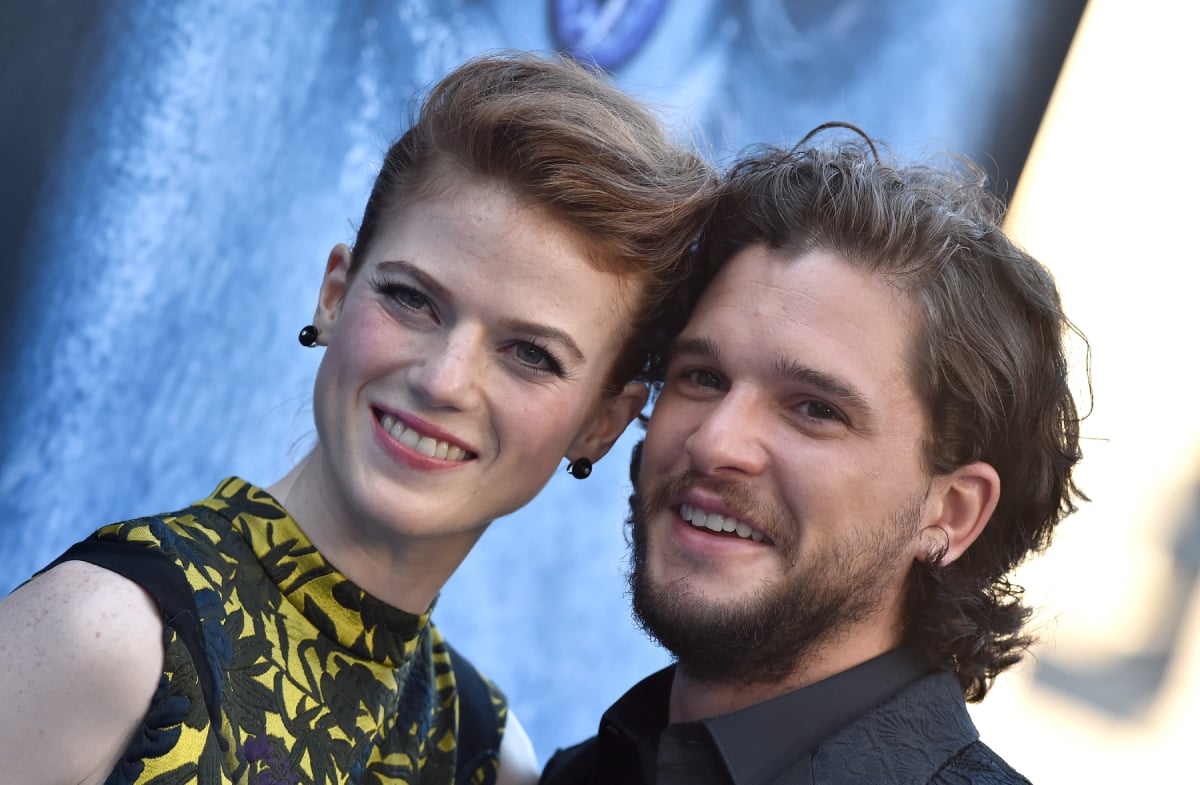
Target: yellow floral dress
278	669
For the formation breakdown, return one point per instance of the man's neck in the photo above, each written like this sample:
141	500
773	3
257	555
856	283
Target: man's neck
693	699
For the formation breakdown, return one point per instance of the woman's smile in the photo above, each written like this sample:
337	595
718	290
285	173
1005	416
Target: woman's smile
421	438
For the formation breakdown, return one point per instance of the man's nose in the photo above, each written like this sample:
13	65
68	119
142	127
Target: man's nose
729	438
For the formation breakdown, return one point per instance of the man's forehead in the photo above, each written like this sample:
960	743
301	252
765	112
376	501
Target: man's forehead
809	315
784	283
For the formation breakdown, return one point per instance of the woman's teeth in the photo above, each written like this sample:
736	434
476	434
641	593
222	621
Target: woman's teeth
426	445
718	523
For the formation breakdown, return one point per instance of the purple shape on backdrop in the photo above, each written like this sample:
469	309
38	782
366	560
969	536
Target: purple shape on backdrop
603	32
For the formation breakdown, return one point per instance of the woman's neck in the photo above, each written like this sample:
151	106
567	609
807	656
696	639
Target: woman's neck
406	572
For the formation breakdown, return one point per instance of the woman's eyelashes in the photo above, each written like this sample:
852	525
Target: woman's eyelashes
530	354
404	295
538	358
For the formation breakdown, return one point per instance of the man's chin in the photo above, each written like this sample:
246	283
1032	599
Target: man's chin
707	594
714	640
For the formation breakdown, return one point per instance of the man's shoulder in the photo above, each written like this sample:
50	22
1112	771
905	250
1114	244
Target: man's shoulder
978	764
572	765
922	734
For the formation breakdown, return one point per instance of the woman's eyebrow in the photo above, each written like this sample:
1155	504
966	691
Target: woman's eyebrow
533	329
428	282
548	333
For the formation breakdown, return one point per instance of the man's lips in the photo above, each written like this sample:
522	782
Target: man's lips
705	511
422	439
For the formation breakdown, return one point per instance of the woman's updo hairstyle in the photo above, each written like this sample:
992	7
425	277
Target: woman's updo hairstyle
560	137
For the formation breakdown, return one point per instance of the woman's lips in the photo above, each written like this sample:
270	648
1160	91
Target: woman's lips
424	444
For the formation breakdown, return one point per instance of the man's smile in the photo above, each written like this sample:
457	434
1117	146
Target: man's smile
716	522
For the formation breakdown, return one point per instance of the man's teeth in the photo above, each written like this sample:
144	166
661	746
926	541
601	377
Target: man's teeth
718	523
426	445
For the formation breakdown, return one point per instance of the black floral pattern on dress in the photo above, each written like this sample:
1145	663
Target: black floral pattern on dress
315	680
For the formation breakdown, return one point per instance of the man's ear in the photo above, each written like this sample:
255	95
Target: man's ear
959	506
613	414
333	291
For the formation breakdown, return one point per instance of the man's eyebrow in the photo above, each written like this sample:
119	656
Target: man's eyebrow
840	390
699	346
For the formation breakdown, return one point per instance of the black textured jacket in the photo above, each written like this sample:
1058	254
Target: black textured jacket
921	735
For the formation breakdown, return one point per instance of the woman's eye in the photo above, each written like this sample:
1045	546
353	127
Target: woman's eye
402	294
536	357
410	297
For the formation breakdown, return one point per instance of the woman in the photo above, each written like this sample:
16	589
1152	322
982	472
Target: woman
492	318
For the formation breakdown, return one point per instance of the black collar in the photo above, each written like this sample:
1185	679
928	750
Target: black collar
755	745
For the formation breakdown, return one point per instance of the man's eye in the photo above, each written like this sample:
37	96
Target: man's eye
818	410
704	378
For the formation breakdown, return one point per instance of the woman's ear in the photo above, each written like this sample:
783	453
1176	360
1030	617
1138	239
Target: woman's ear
959	506
613	414
333	291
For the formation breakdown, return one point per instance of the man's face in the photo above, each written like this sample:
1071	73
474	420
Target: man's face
782	488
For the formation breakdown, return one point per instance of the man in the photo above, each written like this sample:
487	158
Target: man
863	428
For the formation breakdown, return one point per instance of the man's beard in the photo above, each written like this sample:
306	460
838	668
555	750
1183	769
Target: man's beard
766	637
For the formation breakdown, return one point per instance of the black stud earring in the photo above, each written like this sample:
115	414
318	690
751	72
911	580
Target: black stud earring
308	335
580	468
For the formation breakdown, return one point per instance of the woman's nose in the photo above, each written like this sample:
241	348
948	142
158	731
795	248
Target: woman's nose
447	376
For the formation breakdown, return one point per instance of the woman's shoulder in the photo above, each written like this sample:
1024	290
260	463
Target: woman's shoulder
80	660
84	603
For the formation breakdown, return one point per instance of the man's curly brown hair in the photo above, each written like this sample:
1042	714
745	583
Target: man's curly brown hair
989	360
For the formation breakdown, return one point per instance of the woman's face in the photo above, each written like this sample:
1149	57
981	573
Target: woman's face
466	357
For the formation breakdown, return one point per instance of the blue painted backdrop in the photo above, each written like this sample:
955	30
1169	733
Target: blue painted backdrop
174	175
